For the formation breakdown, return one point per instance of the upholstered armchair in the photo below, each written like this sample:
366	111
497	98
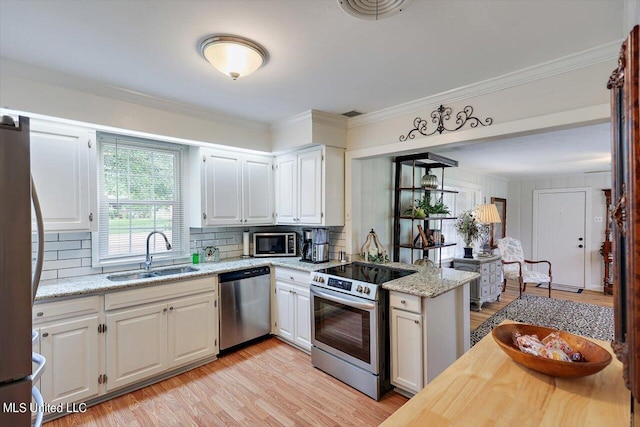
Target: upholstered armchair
514	266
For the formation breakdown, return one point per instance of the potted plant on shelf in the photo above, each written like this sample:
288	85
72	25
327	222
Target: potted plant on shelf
437	209
467	226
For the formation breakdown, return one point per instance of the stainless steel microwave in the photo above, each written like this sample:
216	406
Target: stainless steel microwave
274	244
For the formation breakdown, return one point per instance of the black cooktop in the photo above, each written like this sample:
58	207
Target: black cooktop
369	273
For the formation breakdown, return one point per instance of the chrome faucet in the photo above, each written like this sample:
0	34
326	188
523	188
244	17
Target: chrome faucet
149	258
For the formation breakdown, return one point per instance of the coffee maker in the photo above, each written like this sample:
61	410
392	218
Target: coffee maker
315	245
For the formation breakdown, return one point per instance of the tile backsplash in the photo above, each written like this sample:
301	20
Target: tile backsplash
69	254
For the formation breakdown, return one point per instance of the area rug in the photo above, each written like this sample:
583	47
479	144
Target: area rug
564	288
579	318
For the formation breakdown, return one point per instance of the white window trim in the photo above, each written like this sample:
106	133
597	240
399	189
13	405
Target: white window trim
161	258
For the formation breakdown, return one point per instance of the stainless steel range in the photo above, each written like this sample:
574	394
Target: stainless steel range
350	327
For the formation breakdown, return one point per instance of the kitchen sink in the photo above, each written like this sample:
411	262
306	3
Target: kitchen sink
149	274
177	270
132	276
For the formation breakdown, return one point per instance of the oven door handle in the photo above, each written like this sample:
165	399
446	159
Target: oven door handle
349	302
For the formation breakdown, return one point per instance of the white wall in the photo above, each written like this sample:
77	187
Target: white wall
520	214
568	91
32	96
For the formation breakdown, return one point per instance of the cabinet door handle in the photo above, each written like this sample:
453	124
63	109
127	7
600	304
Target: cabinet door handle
40	314
170	308
46	334
403	302
416	322
164	310
580	246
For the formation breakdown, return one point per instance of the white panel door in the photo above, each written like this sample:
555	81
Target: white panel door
223	188
63	168
287	189
302	310
257	173
136	344
310	187
190	330
406	350
284	298
71	350
561	235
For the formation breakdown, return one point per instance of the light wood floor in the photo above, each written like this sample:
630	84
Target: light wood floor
511	293
269	383
266	384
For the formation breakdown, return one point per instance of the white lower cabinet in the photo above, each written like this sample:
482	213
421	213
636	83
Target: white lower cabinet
406	350
293	311
427	335
136	344
192	329
72	368
70	342
143	341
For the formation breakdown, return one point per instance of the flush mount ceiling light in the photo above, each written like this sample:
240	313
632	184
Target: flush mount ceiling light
232	55
373	9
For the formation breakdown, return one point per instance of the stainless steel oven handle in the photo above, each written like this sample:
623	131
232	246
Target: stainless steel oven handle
349	302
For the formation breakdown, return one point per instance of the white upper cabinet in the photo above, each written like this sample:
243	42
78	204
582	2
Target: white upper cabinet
287	189
257	178
310	187
63	166
223	188
234	188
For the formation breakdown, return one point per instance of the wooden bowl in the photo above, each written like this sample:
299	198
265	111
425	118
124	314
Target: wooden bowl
597	358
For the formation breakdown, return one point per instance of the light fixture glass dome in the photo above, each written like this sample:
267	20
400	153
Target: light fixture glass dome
232	55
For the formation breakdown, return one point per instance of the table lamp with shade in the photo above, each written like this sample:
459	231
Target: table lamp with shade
487	214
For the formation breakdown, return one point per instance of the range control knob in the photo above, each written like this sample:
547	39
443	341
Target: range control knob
315	278
321	279
367	291
359	288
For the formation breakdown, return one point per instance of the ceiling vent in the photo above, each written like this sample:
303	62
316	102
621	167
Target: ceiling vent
352	113
373	9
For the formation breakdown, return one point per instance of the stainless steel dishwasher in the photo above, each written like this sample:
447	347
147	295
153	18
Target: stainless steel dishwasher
245	306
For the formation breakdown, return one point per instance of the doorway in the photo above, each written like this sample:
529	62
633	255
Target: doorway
560	233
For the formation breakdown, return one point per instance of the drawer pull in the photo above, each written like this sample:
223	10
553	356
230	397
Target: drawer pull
40	314
403	302
416	322
46	334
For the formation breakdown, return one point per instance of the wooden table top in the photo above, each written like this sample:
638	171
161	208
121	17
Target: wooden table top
486	388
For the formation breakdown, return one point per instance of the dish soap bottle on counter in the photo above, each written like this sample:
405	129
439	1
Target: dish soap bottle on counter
195	258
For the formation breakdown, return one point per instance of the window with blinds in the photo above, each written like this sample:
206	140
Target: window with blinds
140	191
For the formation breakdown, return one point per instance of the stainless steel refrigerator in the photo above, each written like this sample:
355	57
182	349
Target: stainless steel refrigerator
18	282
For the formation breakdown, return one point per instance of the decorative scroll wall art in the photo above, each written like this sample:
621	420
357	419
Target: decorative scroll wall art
439	117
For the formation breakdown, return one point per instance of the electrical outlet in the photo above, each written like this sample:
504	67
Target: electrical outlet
598	219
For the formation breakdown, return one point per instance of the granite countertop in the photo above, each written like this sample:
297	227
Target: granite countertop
427	282
98	283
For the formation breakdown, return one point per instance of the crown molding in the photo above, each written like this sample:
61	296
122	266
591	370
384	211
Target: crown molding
583	59
92	87
314	116
330	119
289	121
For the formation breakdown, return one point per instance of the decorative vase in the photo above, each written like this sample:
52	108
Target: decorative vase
468	252
429	181
372	250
